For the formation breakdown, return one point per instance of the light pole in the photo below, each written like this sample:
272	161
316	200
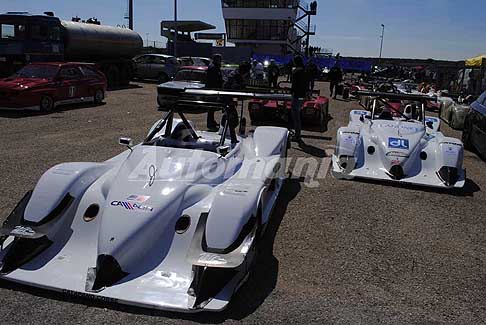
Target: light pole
130	14
382	37
175	28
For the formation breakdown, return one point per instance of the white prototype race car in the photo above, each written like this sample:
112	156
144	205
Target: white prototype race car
171	224
407	147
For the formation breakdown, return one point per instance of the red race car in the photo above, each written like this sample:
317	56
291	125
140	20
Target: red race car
315	111
44	86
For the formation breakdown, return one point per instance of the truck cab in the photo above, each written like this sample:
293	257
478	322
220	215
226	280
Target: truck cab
28	38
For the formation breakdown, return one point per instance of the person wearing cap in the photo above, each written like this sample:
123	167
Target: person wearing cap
214	81
299	91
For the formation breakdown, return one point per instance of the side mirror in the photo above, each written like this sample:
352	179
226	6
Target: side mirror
223	150
126	142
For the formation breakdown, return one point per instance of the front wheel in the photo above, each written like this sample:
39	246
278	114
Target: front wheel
99	96
46	104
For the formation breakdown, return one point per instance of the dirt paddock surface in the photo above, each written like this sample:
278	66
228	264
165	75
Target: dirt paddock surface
341	252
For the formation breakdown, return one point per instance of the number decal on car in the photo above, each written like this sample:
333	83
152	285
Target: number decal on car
72	90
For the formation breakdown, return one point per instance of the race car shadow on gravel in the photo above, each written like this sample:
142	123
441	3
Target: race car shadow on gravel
260	284
467	191
311	150
60	109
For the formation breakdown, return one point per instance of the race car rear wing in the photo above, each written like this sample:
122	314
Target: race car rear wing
398	96
240	95
383	96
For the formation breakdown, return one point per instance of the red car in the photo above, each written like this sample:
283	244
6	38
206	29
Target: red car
314	111
44	86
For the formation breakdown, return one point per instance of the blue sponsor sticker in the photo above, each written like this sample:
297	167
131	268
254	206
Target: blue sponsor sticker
360	113
431	119
396	143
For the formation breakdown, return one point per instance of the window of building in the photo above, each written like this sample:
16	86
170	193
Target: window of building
253	29
260	3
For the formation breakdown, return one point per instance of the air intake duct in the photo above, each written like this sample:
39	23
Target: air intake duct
107	272
448	175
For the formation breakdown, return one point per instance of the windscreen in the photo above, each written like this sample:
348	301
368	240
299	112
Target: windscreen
191	75
37	72
11	31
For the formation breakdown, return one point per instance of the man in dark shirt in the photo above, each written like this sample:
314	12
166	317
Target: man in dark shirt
335	77
214	81
312	73
236	81
273	73
299	91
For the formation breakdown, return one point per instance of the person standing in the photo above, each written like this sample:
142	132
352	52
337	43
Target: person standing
273	74
299	91
214	81
335	78
312	73
236	81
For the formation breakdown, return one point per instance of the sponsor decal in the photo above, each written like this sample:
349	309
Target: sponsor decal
22	231
430	119
83	295
396	143
360	113
131	206
152	174
138	198
349	139
396	154
450	150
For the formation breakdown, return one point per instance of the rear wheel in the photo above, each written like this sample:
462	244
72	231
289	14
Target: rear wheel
99	96
163	78
113	76
323	120
46	104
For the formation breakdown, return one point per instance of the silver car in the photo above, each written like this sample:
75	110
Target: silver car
156	66
453	113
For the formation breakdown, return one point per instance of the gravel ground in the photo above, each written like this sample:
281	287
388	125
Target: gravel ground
341	252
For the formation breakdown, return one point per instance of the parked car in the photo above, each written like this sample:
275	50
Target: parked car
194	61
156	66
474	134
187	77
44	86
453	112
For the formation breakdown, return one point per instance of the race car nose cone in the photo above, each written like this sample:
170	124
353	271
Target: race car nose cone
107	272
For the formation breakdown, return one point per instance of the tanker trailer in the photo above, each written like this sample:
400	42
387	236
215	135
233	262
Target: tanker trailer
26	38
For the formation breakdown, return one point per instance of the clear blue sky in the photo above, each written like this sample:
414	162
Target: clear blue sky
447	29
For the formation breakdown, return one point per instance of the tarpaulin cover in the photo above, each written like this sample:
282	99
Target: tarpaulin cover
350	65
475	62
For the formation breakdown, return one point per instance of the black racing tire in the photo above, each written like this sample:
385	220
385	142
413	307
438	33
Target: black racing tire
46	104
99	96
163	78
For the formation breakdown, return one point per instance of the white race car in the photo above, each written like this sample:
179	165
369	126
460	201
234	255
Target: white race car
407	147
172	223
